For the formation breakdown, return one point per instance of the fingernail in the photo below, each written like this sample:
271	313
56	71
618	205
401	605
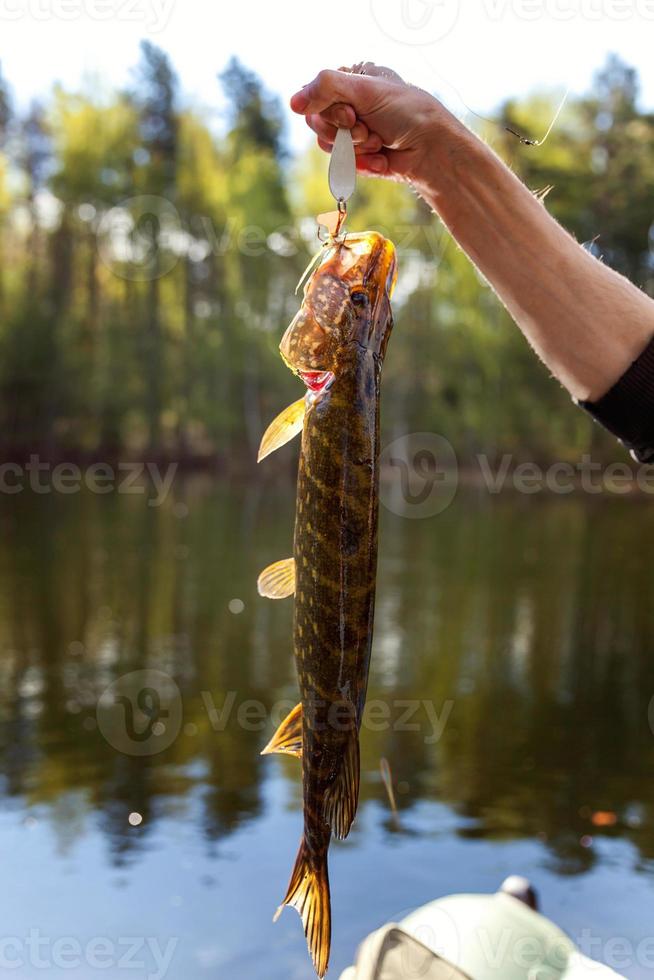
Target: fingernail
372	145
377	164
342	118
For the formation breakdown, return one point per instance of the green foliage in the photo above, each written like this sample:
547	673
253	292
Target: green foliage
256	119
597	159
93	147
156	99
152	325
5	110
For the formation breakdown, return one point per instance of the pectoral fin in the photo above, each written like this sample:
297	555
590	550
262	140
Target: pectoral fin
277	581
342	797
288	737
282	429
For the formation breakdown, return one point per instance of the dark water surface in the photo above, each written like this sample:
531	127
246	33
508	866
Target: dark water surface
512	675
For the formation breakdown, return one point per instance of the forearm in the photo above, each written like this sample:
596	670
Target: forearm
586	322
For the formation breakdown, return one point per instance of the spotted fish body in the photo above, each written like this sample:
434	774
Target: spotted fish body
336	343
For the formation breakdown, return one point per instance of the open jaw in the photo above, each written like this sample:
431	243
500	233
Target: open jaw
317	381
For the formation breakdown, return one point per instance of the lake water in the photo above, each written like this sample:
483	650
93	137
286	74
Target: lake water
510	692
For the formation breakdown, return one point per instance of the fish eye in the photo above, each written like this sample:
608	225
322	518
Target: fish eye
359	297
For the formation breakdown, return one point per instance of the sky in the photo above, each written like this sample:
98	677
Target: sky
471	53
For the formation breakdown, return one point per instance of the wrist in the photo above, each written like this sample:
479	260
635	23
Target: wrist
448	150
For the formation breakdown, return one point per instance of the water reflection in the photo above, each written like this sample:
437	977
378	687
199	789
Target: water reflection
522	628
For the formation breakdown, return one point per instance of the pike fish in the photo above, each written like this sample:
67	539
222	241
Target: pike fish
336	344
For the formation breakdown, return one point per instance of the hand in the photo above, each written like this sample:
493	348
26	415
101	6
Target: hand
393	124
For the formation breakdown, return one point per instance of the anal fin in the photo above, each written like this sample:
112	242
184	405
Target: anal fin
277	581
288	737
342	797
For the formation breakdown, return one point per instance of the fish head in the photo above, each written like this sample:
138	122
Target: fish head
346	302
369	270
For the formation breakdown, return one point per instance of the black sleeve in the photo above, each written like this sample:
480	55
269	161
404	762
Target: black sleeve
627	410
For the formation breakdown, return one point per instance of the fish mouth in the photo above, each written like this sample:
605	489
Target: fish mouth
317	381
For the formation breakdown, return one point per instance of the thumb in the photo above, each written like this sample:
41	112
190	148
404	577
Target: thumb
329	87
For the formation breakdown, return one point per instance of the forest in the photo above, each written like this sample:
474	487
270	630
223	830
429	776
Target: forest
150	249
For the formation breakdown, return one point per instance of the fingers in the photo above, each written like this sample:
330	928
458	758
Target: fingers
377	71
345	98
331	87
364	141
371	145
323	127
340	114
373	163
368	160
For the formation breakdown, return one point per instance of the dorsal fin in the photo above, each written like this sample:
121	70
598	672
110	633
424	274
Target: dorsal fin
342	797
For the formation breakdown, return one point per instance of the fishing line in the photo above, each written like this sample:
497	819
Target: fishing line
387	779
523	139
528	142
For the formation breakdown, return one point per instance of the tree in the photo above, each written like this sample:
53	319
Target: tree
622	146
156	99
255	117
596	158
5	117
35	160
5	109
259	207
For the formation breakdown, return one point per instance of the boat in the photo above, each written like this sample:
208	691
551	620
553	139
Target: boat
501	936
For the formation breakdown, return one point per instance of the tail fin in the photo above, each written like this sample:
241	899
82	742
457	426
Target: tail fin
308	892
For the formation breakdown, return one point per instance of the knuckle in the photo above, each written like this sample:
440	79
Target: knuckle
327	81
323	78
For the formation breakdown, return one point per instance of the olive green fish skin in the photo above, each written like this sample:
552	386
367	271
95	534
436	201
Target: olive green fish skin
336	343
336	557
